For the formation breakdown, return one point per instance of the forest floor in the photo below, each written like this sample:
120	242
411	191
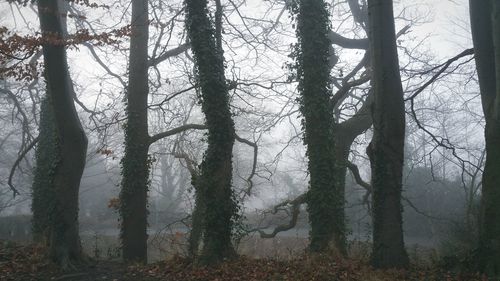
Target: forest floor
28	262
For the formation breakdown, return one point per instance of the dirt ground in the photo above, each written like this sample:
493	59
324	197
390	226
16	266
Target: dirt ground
29	263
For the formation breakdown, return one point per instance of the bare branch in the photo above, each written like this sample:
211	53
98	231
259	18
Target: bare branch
17	104
348	43
168	54
357	177
170	97
443	67
103	65
360	122
418	211
294	207
186	127
341	93
440	141
18	161
361	44
190	163
254	164
177	130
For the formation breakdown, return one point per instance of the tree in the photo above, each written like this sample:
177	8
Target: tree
485	25
214	183
47	157
325	201
135	166
351	92
386	149
64	242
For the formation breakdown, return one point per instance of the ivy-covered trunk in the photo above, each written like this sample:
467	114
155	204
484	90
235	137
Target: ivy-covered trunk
47	157
386	149
135	165
214	183
64	243
342	149
325	200
197	226
485	24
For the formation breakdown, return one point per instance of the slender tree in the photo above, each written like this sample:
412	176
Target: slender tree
386	149
325	202
485	24
214	183
64	242
135	165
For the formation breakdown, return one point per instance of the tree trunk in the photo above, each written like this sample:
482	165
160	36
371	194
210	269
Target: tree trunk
386	150
216	167
47	157
135	163
345	133
65	246
197	226
485	26
325	203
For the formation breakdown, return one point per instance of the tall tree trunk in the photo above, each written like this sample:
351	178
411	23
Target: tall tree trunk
65	246
485	26
386	150
325	202
135	164
216	167
47	157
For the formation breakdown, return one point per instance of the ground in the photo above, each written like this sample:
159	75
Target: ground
28	262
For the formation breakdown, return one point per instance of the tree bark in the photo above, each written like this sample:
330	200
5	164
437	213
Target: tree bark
65	246
197	226
325	201
216	168
47	157
135	163
485	25
386	150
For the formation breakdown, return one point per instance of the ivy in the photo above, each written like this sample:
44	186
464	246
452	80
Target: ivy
47	158
135	169
214	184
325	198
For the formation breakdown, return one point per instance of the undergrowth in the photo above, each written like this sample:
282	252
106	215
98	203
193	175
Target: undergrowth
18	262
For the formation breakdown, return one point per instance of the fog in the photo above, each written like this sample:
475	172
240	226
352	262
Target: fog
444	150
